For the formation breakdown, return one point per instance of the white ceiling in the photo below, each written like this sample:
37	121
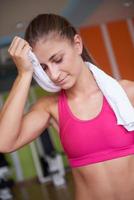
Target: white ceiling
111	10
79	12
14	11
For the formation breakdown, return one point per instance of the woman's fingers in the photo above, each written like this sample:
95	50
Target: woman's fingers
13	45
18	50
17	46
26	49
15	38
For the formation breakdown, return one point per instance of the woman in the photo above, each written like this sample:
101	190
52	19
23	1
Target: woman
86	123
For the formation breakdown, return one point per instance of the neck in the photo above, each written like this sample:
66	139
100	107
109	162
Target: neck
85	84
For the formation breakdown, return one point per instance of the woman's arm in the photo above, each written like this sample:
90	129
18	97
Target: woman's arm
15	128
33	123
12	111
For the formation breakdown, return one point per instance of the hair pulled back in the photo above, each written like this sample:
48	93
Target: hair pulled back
44	24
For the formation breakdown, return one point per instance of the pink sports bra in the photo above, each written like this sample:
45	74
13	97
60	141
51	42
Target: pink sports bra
95	140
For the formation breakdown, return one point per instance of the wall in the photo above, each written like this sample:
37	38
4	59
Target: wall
112	45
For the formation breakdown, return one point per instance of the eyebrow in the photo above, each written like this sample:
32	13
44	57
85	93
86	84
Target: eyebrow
51	58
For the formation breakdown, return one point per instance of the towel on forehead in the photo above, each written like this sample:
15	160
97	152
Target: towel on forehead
40	76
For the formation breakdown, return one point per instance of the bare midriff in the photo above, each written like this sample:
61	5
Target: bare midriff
109	180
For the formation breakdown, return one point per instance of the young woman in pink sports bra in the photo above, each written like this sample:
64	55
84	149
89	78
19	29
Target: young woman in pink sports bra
100	152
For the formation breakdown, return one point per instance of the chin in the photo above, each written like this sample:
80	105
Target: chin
67	86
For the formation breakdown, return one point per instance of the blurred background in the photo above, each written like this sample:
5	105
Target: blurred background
40	170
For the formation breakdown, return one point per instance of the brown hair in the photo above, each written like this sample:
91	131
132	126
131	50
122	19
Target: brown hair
44	24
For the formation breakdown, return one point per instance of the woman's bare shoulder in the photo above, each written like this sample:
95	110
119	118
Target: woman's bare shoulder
128	86
46	102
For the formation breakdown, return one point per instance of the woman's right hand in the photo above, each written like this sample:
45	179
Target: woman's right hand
18	50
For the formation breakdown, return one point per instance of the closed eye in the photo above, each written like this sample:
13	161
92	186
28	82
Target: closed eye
44	66
58	61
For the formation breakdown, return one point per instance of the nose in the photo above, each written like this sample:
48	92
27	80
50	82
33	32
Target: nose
54	72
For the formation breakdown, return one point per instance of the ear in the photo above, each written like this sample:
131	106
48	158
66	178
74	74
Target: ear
78	44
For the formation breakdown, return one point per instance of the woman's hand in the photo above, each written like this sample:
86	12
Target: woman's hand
18	50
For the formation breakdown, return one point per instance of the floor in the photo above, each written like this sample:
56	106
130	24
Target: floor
33	190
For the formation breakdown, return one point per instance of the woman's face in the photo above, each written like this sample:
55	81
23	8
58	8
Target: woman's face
60	59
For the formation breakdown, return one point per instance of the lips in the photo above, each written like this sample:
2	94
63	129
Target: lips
61	80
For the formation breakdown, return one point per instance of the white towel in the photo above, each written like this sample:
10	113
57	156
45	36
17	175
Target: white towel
116	96
40	76
109	86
